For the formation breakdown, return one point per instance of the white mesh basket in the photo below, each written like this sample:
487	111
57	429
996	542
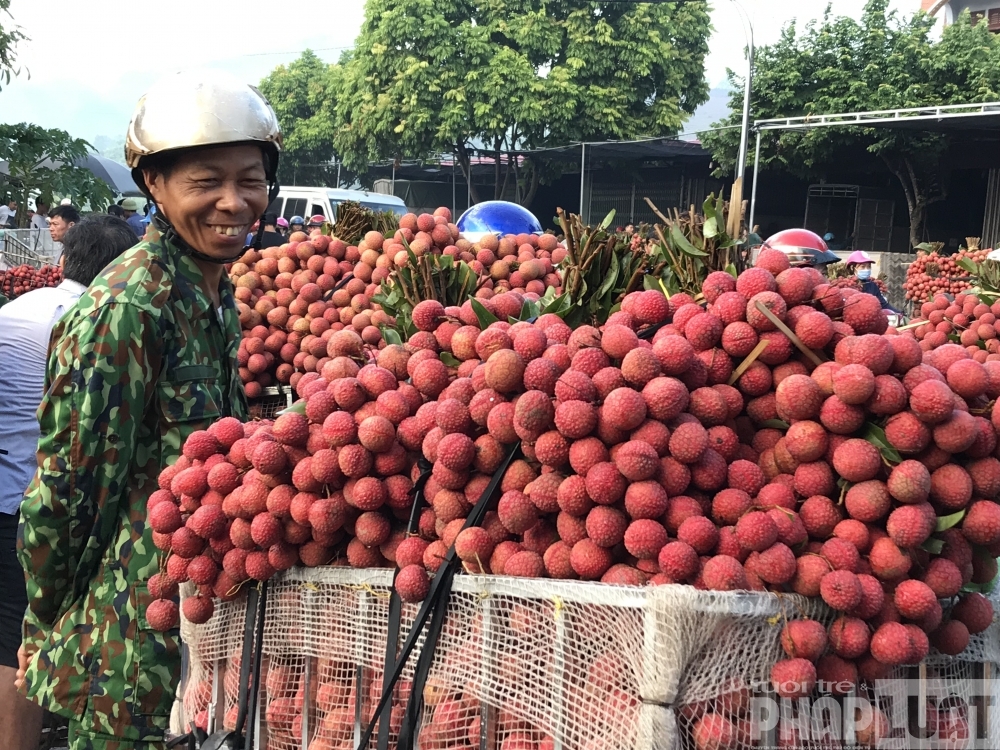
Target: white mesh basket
544	664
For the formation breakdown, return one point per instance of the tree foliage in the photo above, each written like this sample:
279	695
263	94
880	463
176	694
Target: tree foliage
40	162
881	62
452	76
10	35
304	95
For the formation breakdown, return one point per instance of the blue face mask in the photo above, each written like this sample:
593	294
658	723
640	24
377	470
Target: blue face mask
864	274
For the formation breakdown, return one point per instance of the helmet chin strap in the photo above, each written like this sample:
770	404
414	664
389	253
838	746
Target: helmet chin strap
171	234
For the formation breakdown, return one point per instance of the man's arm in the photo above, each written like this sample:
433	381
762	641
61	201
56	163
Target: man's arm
102	372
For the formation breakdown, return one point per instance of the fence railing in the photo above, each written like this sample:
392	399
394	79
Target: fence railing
27	246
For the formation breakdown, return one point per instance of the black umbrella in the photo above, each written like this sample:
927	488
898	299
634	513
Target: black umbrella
116	175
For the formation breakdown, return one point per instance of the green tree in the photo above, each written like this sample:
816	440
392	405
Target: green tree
881	62
40	162
304	94
9	37
451	76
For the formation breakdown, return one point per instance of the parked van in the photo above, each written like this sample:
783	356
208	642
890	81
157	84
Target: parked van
309	201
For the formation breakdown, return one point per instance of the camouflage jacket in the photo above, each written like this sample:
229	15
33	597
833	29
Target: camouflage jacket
138	364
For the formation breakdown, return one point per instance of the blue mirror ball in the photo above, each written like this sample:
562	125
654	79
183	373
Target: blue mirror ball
497	217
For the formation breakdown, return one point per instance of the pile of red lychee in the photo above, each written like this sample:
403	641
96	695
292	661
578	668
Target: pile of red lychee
20	279
963	319
288	307
932	273
869	480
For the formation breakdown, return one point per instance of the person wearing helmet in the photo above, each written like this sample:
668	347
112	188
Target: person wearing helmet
803	248
316	221
130	208
859	263
296	224
145	358
282	226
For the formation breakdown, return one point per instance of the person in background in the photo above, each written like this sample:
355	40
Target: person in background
40	220
317	221
115	210
282	226
271	236
8	213
296	224
25	326
61	218
131	208
859	263
146	357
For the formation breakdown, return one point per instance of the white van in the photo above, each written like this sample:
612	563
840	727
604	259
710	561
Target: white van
309	201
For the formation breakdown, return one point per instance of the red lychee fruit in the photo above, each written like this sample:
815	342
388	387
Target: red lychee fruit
196	609
891	644
841	590
412	583
724	573
793	678
678	560
848	637
803	639
162	615
644	538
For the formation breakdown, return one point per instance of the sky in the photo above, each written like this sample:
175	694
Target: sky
88	63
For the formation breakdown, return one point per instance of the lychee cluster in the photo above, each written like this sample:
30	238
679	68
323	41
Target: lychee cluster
652	452
291	299
931	273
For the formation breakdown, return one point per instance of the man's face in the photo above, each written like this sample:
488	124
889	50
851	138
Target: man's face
59	226
12	205
212	197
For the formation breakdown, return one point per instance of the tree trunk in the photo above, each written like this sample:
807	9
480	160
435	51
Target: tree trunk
529	196
465	162
918	214
497	194
918	198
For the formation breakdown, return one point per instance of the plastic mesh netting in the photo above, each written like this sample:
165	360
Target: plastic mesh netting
539	665
268	405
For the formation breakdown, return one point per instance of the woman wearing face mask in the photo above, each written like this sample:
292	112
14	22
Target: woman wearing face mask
859	263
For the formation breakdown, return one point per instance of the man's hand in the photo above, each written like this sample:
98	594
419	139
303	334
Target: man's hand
22	667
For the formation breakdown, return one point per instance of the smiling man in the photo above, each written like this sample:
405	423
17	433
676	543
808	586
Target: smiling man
147	356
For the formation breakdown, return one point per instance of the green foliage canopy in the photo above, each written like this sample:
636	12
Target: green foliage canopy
883	61
452	76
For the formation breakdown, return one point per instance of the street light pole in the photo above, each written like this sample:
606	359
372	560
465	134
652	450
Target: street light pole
741	159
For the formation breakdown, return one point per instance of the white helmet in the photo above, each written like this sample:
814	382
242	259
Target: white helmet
201	108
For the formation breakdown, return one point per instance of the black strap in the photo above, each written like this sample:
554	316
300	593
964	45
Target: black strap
396	604
439	594
231	739
257	656
340	285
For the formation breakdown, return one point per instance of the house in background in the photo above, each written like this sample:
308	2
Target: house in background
946	11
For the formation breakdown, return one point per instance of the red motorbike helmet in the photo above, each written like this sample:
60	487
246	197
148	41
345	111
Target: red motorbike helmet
803	248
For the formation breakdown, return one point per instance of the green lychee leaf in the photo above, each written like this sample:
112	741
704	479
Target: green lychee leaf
390	335
934	546
449	359
299	407
484	316
651	283
946	522
731	270
607	220
876	436
775	424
